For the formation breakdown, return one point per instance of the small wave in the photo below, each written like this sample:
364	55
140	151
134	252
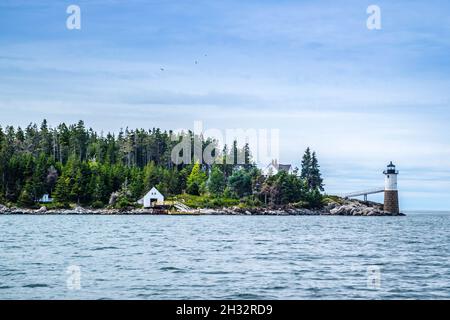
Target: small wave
216	272
7	274
36	285
248	296
174	269
105	248
36	263
277	288
5	287
144	295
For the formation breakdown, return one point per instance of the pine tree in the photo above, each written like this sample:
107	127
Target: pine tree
216	182
62	190
45	139
39	177
310	171
306	165
240	183
137	183
314	199
196	180
98	190
174	182
316	181
124	196
151	175
26	198
247	156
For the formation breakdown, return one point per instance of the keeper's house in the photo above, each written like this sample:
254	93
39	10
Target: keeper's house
273	168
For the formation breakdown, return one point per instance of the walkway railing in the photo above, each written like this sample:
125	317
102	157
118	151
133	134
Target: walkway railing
362	193
182	207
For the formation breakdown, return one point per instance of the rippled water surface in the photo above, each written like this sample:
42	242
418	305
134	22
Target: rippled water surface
225	257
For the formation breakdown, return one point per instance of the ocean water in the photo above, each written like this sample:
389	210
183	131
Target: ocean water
225	257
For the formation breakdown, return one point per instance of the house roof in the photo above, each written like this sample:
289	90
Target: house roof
271	165
154	192
284	167
150	193
278	167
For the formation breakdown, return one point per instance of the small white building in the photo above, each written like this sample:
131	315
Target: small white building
152	198
45	199
273	168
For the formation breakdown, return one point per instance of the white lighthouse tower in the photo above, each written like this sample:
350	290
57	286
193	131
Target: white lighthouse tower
390	189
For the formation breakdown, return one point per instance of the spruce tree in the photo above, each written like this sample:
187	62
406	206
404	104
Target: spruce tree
316	181
306	165
216	182
196	180
26	198
310	171
240	183
62	190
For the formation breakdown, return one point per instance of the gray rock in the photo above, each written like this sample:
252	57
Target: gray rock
42	210
4	209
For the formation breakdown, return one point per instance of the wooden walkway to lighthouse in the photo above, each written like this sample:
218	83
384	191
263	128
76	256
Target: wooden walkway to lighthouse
364	193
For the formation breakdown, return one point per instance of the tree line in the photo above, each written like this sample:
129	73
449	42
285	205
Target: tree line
77	165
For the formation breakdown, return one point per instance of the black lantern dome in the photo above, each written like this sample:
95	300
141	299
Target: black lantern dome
391	169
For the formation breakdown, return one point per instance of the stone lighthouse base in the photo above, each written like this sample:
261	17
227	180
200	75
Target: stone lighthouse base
391	201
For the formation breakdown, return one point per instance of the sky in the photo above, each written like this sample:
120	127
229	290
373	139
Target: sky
313	70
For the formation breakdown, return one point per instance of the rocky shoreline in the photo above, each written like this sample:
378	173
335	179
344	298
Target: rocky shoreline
346	208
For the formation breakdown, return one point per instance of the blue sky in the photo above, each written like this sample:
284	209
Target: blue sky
359	97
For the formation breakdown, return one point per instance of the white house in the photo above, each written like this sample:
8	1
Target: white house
273	168
152	198
45	199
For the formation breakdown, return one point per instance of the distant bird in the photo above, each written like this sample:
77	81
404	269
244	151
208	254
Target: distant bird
162	69
196	62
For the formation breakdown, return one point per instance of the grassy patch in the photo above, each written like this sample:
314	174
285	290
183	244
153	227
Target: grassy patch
205	201
327	199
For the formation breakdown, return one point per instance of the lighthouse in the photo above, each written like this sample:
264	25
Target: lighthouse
390	189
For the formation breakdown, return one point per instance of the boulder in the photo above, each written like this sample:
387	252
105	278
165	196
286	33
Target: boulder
42	210
113	198
4	209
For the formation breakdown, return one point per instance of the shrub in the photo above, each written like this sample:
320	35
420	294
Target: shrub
122	203
98	204
250	202
332	199
302	205
57	205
